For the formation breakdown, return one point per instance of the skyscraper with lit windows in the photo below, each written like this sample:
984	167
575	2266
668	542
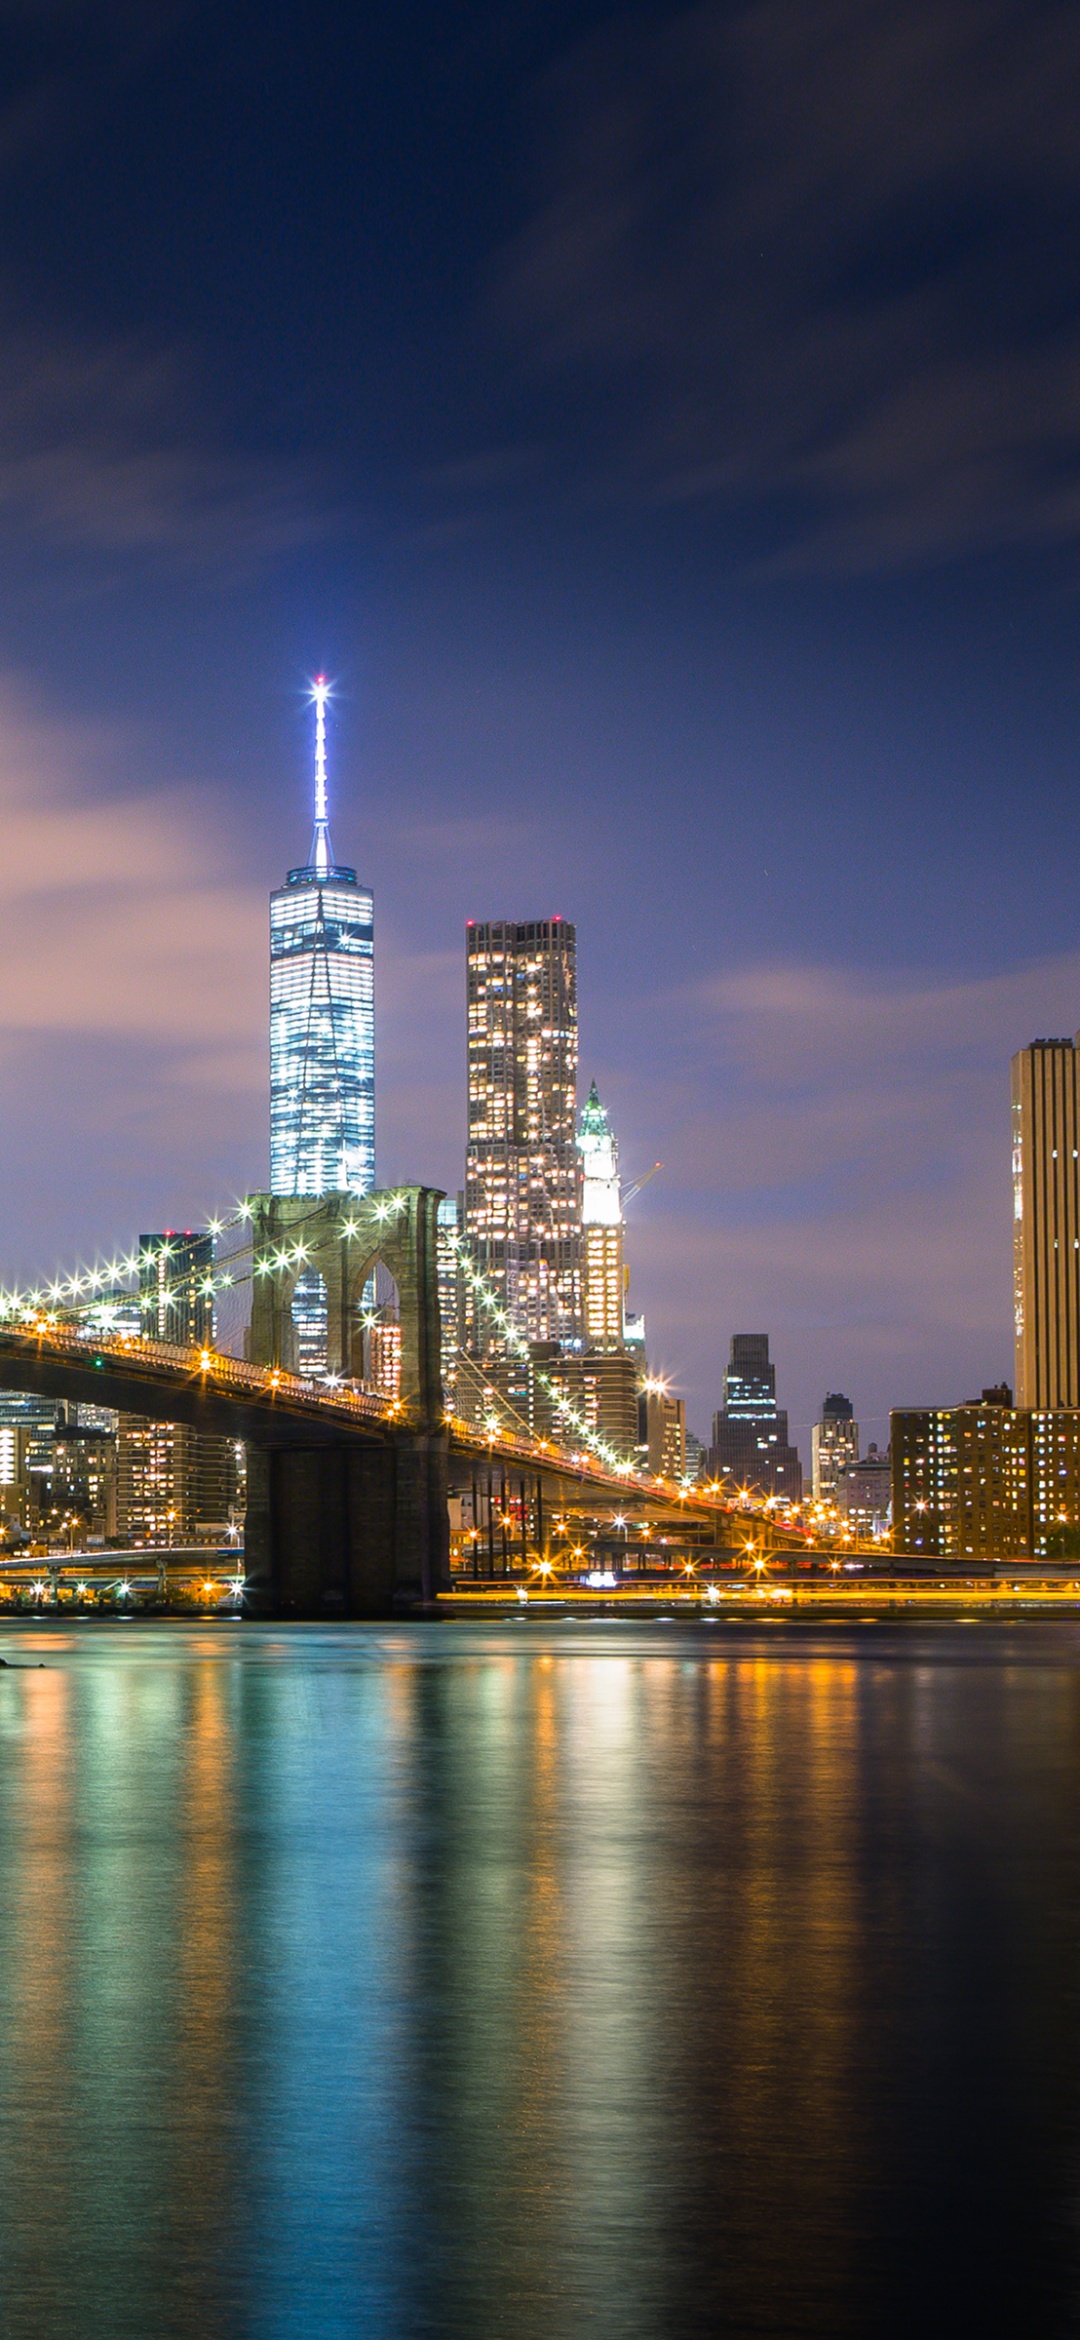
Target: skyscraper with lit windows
522	1176
601	1228
1046	1222
322	1015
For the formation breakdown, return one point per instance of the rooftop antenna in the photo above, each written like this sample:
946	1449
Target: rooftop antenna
321	850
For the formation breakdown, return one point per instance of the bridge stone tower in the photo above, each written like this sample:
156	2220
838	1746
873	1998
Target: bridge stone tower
353	1528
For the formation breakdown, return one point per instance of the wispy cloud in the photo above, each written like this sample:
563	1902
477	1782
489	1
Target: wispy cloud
775	240
110	446
110	924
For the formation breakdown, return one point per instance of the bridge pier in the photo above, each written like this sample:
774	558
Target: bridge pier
349	1530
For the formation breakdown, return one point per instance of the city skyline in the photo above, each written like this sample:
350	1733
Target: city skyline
771	694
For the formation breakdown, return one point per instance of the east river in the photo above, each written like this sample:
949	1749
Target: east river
529	1982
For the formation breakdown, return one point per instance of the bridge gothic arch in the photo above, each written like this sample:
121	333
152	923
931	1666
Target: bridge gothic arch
344	1237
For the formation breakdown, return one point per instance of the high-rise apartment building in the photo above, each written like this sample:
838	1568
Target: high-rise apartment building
835	1444
322	1016
1046	1222
522	1180
170	1477
602	1281
174	1484
750	1432
987	1480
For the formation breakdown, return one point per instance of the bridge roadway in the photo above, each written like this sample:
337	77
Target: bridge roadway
347	1490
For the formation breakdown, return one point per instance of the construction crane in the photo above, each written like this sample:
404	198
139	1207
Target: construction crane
627	1195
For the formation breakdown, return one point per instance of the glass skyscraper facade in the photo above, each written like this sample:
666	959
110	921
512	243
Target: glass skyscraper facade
322	1017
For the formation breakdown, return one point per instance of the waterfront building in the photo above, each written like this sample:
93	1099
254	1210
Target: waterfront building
83	1490
175	1484
27	1424
835	1445
1046	1222
523	1181
750	1442
987	1480
322	1015
602	1279
167	1468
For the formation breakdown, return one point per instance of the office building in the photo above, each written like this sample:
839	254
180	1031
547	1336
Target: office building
697	1457
1046	1223
451	1283
523	1181
322	1039
862	1493
835	1444
83	1492
750	1443
176	1295
27	1424
662	1431
322	1016
602	1280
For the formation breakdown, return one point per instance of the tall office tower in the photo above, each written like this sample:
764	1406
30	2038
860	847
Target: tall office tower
662	1431
451	1284
322	1016
1046	1222
835	1441
601	1228
750	1432
174	1302
522	1182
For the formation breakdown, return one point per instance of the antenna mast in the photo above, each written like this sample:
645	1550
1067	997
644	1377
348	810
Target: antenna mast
321	853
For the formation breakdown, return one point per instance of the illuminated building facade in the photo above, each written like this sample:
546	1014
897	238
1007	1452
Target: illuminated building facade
602	1280
174	1484
169	1477
176	1300
451	1285
986	1481
522	1183
1046	1223
662	1431
750	1441
600	1385
862	1493
322	1016
835	1444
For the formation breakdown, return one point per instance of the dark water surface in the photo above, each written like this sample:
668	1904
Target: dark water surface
515	1981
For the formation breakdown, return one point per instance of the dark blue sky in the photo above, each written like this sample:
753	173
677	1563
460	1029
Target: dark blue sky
665	425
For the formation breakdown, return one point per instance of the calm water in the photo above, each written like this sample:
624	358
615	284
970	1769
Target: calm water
540	1981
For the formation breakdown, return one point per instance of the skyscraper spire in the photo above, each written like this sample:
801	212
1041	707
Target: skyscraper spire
322	853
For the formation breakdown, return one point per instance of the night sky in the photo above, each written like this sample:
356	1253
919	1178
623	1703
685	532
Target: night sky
664	425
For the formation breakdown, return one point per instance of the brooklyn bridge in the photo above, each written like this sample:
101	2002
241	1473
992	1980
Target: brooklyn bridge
349	1488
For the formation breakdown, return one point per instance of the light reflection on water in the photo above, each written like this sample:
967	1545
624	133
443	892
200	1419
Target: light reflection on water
539	1981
